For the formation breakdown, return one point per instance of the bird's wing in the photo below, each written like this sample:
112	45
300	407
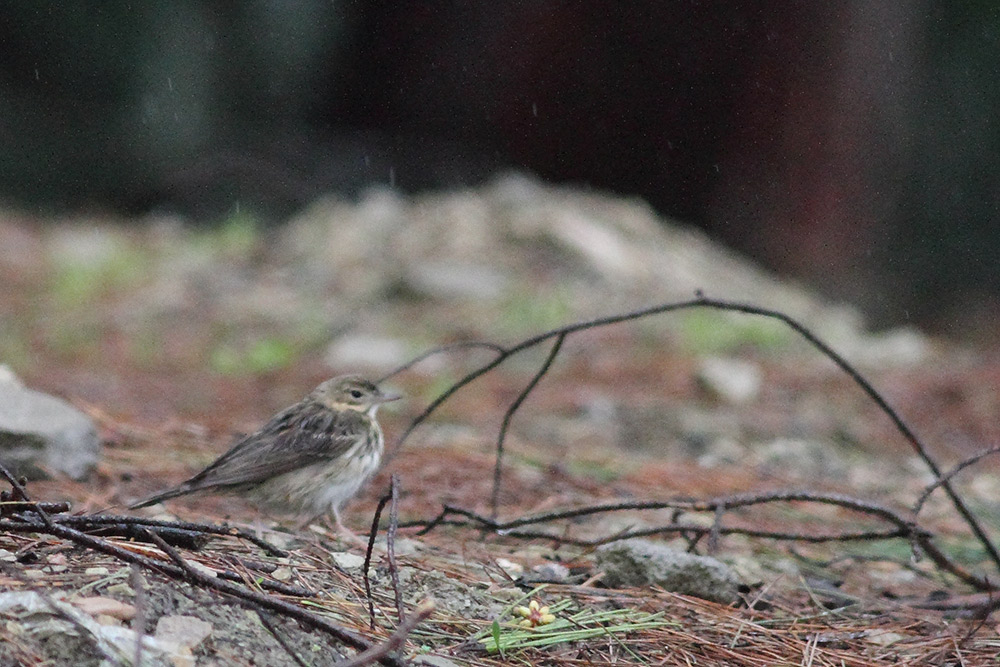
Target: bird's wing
294	438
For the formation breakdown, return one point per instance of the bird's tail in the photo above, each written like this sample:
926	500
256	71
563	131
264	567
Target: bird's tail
163	495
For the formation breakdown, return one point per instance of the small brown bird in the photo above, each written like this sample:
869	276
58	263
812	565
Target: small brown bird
308	459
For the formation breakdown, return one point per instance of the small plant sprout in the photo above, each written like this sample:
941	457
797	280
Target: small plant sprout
534	615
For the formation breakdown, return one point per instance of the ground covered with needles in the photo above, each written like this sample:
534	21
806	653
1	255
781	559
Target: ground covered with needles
174	339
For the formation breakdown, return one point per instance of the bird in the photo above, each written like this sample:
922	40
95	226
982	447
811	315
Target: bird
307	460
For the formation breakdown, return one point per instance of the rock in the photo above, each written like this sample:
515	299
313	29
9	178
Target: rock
39	432
97	605
550	572
182	631
456	280
732	380
367	351
434	661
66	635
643	563
345	560
512	569
721	451
802	458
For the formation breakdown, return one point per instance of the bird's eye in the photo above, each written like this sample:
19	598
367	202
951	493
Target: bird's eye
356	393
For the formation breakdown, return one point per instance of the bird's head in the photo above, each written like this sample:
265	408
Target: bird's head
352	392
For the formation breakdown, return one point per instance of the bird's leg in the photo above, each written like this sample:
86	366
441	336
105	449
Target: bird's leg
345	532
337	527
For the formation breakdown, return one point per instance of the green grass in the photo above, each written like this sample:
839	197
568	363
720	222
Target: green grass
526	313
712	332
572	623
79	284
259	356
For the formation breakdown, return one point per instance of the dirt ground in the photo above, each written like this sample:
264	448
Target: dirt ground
175	340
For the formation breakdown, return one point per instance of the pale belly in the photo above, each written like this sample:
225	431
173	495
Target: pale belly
320	488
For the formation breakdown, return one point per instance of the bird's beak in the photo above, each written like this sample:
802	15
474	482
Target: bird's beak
387	398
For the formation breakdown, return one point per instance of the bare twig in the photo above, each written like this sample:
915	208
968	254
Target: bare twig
390	546
266	621
92	521
185	571
463	345
972	460
701	301
139	622
392	496
258	601
11	507
902	526
382	502
495	494
380	651
22	494
81	630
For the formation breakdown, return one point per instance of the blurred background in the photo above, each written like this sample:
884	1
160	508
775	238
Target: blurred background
850	144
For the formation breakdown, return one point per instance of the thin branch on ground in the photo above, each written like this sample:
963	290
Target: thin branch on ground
972	460
80	629
138	583
20	494
390	546
902	527
260	602
186	572
372	533
92	521
379	652
451	347
498	466
265	620
701	301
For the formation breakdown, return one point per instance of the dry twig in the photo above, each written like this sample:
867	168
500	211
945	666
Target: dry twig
502	353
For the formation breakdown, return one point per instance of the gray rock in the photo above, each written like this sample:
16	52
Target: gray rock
797	457
733	380
456	280
38	431
434	661
183	631
65	635
366	350
644	563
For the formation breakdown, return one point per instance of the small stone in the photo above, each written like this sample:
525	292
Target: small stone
202	569
96	571
434	661
106	606
884	637
282	573
639	562
453	280
121	588
345	560
554	572
721	451
732	380
185	631
356	351
33	574
512	569
804	458
39	432
105	619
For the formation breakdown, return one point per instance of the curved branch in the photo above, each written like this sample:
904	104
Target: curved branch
701	301
495	495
